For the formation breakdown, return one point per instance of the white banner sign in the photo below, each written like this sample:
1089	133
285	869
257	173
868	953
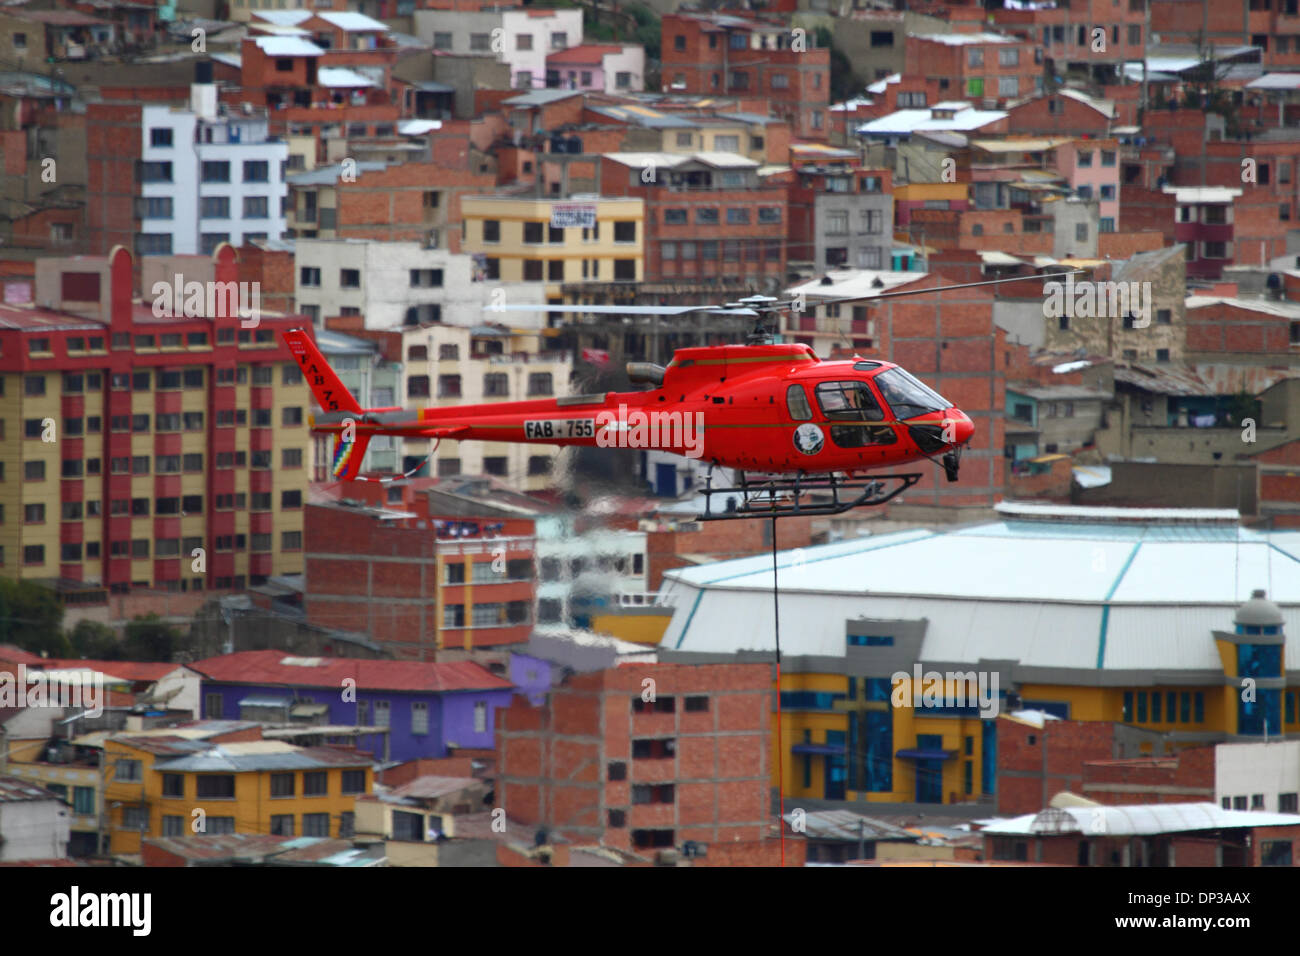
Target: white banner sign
573	215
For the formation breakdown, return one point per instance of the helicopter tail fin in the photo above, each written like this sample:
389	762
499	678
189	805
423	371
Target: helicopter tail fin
348	455
332	396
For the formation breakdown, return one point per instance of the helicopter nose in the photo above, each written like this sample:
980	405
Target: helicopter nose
964	428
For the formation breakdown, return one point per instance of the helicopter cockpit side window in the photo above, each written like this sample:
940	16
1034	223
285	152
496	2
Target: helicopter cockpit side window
848	402
853	404
796	400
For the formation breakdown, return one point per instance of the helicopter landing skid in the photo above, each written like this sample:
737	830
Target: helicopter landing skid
782	497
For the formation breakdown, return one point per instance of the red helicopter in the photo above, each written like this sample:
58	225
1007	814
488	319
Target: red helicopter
788	422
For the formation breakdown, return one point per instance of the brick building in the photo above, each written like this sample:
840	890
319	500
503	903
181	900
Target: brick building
407	201
1062	113
412	583
1091	40
1274	27
731	55
710	217
987	67
1104	761
168	435
599	764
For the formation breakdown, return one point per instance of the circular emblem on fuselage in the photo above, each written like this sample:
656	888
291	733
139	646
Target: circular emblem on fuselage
809	439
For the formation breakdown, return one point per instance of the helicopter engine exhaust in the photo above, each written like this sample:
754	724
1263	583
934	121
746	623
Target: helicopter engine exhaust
645	373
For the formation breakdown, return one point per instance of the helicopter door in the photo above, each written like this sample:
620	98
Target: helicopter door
851	409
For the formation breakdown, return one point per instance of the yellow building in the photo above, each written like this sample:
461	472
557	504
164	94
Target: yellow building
519	243
901	650
457	365
127	429
166	785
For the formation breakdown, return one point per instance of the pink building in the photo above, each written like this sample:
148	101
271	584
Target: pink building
1091	166
603	68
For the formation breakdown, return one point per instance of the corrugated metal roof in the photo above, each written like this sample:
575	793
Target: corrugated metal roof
1202	194
1139	820
1047	594
287	46
351	22
17	790
1207	379
340	77
541	97
1276	81
1288	310
847	825
272	755
923	120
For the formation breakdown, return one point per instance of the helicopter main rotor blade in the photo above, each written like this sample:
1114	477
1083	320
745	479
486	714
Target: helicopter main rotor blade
767	303
621	309
789	303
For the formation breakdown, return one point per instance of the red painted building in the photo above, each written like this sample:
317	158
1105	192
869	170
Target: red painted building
171	434
1203	220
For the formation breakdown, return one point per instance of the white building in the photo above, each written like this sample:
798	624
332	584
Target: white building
526	37
1258	776
374	382
579	574
395	284
447	365
209	177
33	822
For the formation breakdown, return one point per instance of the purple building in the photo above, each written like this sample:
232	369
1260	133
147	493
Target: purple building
427	707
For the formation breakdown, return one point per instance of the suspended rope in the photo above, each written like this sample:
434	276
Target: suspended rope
424	461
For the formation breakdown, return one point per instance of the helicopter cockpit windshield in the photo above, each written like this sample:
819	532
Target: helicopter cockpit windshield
907	396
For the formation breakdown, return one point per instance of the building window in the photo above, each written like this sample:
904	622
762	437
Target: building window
419	717
215	171
215	786
480	717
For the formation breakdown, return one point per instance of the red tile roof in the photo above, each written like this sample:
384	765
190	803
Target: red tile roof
127	670
268	667
586	53
16	655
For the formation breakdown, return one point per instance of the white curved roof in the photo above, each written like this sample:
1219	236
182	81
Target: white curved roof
1044	593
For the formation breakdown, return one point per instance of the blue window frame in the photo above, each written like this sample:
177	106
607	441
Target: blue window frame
1185	707
1156	702
1200	707
1128	706
988	757
809	699
871	640
1142	707
1259	660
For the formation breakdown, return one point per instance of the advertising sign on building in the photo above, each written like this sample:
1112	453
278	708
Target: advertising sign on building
573	215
